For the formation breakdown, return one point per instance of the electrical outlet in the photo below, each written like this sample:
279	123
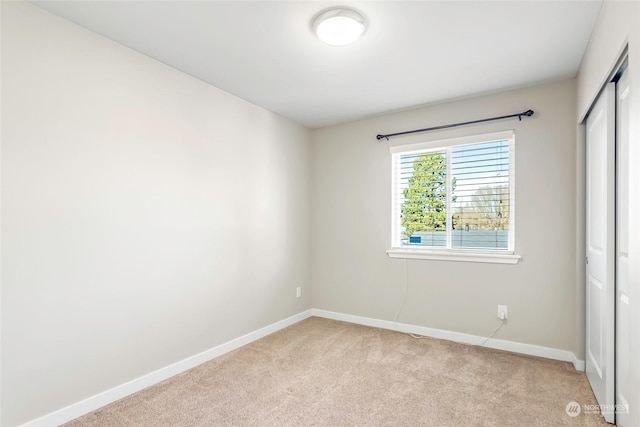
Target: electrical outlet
298	292
502	312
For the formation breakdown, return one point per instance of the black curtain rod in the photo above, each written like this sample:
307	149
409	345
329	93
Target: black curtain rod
527	113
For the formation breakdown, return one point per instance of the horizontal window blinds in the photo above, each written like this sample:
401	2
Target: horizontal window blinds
454	197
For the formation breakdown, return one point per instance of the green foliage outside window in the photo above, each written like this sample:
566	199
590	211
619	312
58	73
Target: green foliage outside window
425	198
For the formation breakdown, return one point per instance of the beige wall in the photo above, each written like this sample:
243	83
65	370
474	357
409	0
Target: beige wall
146	215
618	26
351	273
131	241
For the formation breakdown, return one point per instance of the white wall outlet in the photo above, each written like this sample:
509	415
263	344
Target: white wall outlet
298	292
502	312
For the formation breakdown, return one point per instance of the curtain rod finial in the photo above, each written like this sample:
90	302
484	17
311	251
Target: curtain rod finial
527	113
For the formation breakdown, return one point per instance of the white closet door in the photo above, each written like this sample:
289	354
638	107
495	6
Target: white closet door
600	240
623	316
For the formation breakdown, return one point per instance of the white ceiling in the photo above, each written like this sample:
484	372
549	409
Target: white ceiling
413	53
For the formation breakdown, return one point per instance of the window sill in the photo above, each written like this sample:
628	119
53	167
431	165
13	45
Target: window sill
453	255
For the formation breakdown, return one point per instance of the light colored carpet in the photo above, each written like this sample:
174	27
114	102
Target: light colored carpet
322	372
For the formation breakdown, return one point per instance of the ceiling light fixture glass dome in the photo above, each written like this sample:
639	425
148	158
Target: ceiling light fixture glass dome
339	26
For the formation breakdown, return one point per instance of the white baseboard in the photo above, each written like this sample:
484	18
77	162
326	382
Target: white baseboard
90	404
516	347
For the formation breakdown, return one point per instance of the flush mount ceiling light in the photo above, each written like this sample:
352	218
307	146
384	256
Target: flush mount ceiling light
339	26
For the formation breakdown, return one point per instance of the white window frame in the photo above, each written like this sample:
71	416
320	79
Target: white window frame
507	256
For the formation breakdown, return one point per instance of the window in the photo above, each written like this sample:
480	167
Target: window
454	199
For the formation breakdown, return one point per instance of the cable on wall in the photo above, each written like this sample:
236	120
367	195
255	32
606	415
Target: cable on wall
404	301
527	113
493	334
406	292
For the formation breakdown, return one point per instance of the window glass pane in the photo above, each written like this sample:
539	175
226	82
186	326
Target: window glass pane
480	195
423	198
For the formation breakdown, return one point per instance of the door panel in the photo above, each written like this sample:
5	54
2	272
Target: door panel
595	349
600	239
623	317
